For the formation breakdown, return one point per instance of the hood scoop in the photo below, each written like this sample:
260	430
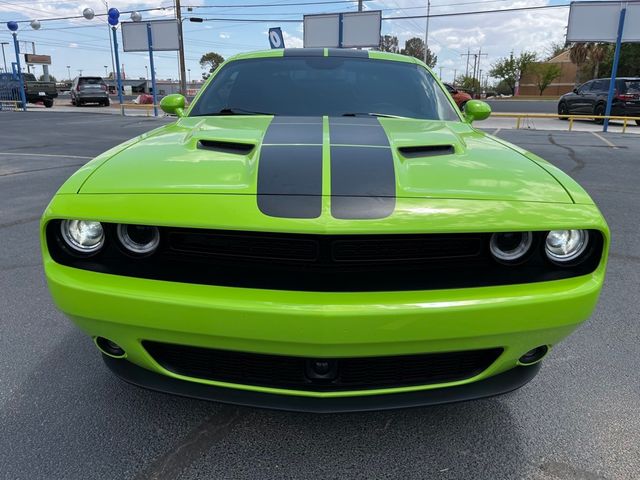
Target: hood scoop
226	147
426	151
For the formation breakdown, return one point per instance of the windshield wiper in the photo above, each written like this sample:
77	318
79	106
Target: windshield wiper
239	111
370	114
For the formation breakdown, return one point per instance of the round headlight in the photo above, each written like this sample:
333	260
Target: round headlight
510	246
82	235
566	245
139	239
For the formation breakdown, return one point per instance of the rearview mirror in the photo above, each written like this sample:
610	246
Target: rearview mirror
173	104
476	110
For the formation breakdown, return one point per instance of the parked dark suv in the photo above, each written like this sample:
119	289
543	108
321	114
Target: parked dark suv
590	98
89	90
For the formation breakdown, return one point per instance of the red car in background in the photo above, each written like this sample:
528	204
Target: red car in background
459	96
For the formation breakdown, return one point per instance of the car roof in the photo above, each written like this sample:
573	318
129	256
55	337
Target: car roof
342	52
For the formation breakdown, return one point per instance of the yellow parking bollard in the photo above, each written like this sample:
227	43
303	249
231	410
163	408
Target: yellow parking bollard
570	123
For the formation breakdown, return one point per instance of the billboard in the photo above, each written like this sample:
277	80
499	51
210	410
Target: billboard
164	35
37	59
343	30
598	22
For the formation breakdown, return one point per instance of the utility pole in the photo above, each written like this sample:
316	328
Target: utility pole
426	31
468	55
183	74
476	66
455	72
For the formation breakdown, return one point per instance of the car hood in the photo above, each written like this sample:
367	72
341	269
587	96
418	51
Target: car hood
222	155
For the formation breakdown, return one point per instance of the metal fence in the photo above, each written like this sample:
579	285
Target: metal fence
571	118
10	100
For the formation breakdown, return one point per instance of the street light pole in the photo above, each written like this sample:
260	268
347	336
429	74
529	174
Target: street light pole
69	71
105	70
426	31
4	59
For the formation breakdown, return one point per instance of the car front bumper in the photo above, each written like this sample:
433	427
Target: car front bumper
514	318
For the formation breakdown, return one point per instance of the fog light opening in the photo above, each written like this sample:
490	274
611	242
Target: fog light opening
534	355
109	347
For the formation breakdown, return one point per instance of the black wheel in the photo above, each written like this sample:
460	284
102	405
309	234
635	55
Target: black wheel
599	111
637	122
78	103
105	103
48	102
563	110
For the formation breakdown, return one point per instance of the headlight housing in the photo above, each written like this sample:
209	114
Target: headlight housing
510	247
139	239
563	246
83	236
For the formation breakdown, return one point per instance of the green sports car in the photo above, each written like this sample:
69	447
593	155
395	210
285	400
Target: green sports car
323	230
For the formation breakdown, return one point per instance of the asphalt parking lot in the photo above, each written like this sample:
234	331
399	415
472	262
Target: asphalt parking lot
63	415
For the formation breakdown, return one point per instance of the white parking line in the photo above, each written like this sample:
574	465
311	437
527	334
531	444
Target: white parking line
497	130
43	155
597	135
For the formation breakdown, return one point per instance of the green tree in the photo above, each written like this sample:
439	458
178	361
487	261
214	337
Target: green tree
467	83
414	47
51	78
210	61
629	65
389	43
544	74
590	58
510	69
554	49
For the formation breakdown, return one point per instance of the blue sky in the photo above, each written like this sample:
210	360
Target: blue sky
83	44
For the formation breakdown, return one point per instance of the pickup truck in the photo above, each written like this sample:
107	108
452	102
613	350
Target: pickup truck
35	91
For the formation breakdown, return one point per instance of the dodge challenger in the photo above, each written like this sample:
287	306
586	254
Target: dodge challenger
323	230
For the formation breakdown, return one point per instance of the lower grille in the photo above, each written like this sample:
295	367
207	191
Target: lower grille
299	373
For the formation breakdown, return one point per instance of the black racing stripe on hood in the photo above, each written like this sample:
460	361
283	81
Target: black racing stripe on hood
303	52
365	131
347	52
363	178
363	182
290	176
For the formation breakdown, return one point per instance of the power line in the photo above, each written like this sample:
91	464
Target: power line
407	17
261	5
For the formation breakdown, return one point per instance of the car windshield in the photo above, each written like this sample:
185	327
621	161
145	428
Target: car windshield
315	86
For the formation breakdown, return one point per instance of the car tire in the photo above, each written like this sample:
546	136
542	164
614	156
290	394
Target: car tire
48	102
563	110
637	122
78	103
106	103
599	111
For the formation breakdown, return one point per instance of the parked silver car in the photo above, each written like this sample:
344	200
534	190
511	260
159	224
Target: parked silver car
89	90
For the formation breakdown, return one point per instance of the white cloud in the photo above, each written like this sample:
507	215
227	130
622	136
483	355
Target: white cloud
224	35
73	45
497	34
291	41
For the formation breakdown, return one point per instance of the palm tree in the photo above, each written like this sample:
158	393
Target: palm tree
597	53
579	53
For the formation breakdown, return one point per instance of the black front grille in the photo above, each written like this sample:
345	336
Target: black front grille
322	263
297	373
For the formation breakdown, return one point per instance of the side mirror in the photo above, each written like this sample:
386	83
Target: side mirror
476	110
173	104
575	90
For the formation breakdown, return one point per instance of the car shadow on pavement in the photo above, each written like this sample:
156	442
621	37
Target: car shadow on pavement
86	423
